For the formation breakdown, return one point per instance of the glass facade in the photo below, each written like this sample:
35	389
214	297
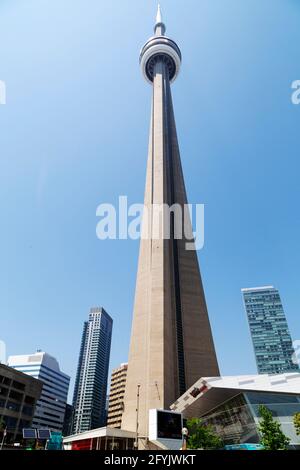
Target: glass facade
271	339
236	420
233	421
90	390
283	407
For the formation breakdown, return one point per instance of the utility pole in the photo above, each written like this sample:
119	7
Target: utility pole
136	444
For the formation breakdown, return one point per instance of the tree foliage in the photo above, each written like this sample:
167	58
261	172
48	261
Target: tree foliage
296	420
2	424
202	436
272	437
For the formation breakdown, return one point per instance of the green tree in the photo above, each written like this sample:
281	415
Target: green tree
202	436
2	429
296	420
2	424
272	437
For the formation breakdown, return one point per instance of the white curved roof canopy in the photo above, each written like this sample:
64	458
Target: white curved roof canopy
209	392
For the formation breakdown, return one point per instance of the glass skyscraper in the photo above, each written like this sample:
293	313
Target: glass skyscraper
269	330
91	379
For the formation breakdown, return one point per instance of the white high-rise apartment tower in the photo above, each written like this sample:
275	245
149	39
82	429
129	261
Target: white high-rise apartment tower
50	408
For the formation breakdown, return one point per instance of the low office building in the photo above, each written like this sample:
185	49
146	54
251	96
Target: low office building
116	396
100	439
231	404
18	397
50	409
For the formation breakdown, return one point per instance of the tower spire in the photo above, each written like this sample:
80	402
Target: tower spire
158	15
160	27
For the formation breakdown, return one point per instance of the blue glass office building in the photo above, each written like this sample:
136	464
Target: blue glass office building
90	390
269	330
51	406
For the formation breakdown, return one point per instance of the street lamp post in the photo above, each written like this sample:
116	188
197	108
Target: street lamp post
185	433
3	438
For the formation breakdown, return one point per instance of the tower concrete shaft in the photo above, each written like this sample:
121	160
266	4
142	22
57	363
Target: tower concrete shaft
171	342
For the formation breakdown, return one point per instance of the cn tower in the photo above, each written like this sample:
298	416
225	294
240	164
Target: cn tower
171	341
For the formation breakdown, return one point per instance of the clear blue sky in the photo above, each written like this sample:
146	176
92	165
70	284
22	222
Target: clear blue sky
74	133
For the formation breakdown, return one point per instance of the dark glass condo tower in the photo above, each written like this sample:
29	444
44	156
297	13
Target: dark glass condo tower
91	379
